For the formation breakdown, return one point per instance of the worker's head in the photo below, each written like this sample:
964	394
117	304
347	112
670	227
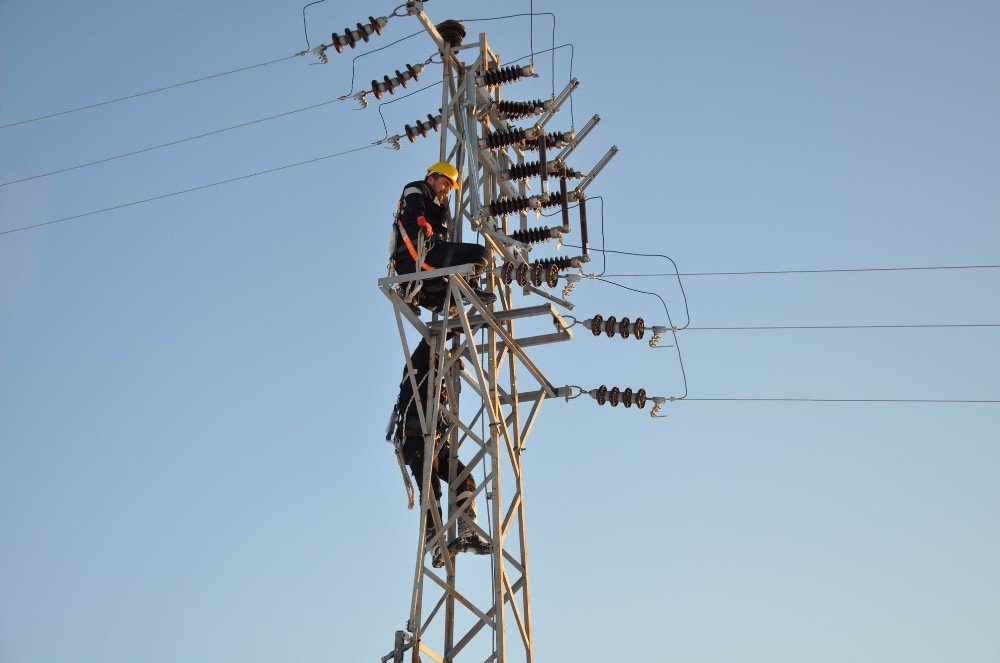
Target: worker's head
443	177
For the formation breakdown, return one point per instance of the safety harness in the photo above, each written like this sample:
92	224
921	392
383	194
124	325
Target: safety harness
425	238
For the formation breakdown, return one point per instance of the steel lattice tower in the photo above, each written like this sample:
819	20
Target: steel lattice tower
480	361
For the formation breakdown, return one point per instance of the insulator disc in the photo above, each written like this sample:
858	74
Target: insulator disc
507	273
514	110
523	171
627	397
537	275
500	139
552	276
624	327
640	328
555	198
522	275
556	138
561	263
614	396
500	76
602	395
597	324
532	235
505	206
640	398
611	326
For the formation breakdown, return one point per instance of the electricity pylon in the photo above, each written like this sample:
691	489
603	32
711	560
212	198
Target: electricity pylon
480	608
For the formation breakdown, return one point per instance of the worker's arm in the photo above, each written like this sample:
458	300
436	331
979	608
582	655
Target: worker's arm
414	213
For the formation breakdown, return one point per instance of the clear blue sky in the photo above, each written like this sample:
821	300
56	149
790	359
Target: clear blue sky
193	391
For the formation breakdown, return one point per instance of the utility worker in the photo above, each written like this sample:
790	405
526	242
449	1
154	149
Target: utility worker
409	440
422	222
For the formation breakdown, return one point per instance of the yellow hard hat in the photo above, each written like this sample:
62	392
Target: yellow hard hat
446	169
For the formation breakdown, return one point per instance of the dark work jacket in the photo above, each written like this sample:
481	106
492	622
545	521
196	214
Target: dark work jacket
418	200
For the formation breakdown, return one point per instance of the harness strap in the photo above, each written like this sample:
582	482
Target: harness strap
406	477
409	247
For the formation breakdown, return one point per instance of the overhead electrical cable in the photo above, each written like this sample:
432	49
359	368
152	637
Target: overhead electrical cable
192	189
532	14
173	142
159	89
888	326
230	128
399	98
198	188
673	329
801	271
371	52
305	28
843	400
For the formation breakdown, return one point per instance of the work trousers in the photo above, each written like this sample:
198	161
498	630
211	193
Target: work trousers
441	254
413	456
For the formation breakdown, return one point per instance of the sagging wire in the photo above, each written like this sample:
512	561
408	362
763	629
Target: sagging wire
840	270
673	329
360	97
604	268
396	141
170	143
305	28
532	14
676	274
153	91
191	190
376	50
552	50
531	30
572	55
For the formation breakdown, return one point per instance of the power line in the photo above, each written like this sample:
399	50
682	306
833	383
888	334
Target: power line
783	327
836	270
159	89
197	188
797	271
174	142
305	28
673	328
225	129
843	400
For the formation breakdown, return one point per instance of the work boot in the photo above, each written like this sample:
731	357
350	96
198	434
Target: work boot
486	298
433	548
469	539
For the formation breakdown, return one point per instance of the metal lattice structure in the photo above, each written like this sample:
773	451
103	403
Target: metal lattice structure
480	608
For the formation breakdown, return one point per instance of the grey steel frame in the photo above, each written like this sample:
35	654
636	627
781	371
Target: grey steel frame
469	623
